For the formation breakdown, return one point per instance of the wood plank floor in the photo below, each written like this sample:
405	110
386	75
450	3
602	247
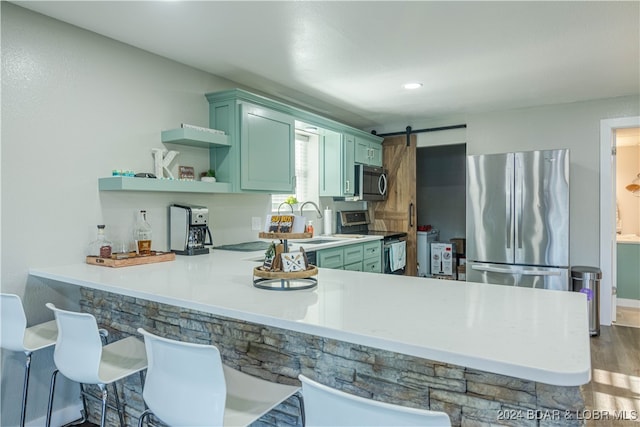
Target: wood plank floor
615	382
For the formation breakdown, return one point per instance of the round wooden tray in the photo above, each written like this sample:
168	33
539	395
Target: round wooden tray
312	270
283	281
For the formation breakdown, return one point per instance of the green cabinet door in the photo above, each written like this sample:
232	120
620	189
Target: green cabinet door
372	257
330	164
628	271
376	154
266	149
362	152
331	258
337	164
348	164
368	152
352	254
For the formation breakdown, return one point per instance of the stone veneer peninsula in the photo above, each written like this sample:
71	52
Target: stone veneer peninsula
484	354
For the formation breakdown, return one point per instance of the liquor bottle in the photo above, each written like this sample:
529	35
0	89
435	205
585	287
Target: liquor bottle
142	234
101	247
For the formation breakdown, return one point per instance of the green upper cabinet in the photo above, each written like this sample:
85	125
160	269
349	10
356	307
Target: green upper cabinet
261	153
336	168
266	150
368	151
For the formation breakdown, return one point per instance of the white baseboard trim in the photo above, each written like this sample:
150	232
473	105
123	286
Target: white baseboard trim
625	302
60	417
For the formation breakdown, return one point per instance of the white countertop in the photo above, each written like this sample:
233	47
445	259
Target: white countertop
628	239
538	335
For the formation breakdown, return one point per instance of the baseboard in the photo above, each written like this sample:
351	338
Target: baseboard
60	417
625	302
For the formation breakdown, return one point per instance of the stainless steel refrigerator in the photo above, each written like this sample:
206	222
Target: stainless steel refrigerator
518	219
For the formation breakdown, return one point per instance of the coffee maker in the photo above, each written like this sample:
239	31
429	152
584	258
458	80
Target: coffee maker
188	229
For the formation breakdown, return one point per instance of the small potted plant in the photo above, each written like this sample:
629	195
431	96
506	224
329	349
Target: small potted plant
208	176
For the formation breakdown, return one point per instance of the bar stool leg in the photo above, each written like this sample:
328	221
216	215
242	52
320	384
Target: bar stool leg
103	416
144	415
298	396
25	388
52	388
118	406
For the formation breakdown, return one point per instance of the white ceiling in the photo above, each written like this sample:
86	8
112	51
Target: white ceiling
348	60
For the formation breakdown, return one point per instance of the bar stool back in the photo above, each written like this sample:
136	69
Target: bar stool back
80	356
15	336
326	406
187	385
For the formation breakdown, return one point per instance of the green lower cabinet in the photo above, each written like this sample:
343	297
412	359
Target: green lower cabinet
357	257
356	266
372	266
628	271
353	253
331	258
372	257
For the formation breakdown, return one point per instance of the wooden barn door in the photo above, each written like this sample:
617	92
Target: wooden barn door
398	212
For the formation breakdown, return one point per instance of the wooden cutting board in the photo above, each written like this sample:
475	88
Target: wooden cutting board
132	260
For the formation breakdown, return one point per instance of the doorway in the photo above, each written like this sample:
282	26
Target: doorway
608	242
441	189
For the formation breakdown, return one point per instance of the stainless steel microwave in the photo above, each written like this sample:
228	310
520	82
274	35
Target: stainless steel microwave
371	183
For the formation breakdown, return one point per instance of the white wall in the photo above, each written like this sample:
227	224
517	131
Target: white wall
76	105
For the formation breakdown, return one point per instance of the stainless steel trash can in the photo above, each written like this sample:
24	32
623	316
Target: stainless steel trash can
587	281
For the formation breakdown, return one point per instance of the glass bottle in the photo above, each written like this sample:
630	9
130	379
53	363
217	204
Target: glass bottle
309	228
101	247
142	234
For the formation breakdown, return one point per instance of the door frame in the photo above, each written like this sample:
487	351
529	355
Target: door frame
607	213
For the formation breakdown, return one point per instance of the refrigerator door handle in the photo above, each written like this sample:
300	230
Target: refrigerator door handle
492	269
540	273
520	207
509	206
511	271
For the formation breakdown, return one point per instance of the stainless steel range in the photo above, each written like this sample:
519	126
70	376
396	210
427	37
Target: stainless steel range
357	222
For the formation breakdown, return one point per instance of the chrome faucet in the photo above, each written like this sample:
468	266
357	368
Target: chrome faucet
314	205
285	203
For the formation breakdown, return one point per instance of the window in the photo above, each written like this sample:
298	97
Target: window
306	155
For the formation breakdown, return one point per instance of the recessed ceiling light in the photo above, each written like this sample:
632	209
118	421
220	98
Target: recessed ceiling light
412	85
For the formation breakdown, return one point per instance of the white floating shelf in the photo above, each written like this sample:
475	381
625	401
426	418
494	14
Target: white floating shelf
195	138
123	183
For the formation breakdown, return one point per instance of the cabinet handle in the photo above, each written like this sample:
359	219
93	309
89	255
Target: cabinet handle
347	186
411	215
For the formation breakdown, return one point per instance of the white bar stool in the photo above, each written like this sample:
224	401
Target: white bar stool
187	385
80	356
15	336
326	406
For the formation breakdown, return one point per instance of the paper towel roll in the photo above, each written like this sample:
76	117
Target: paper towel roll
328	221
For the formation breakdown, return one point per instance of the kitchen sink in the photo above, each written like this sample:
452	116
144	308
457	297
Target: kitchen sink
257	245
317	241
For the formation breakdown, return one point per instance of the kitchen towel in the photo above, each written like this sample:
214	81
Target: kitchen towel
397	255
